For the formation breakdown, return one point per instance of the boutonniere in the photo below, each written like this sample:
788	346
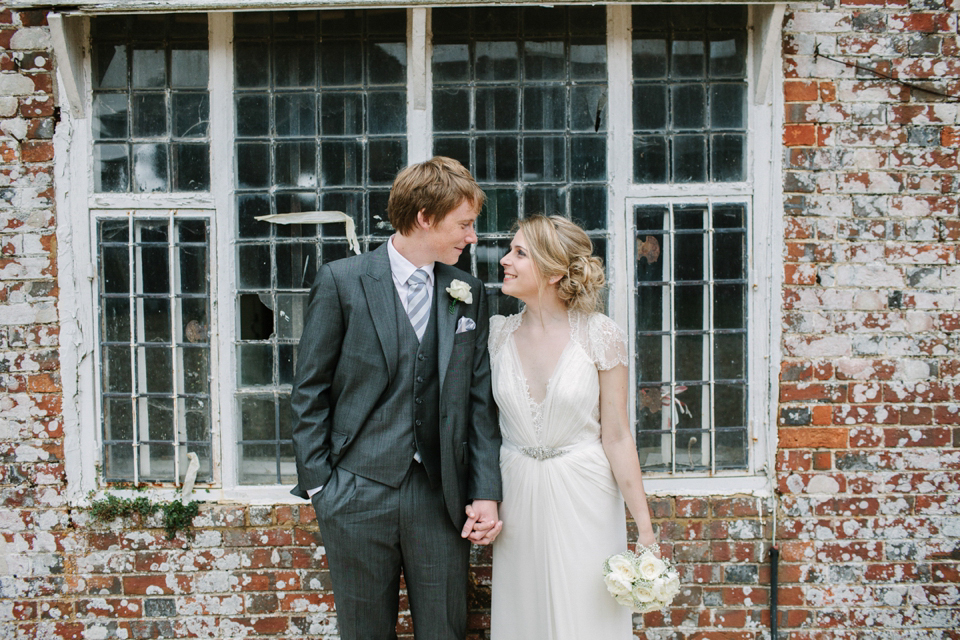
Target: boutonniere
459	291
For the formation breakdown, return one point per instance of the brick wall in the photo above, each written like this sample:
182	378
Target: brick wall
869	417
868	453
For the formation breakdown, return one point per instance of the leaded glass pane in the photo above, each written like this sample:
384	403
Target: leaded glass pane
691	346
689	85
320	104
155	351
149	97
520	98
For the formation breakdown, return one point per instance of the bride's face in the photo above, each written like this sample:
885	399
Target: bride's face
521	279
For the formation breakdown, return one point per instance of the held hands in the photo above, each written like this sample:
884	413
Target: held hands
482	525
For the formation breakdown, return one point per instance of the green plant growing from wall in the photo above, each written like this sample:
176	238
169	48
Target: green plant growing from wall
177	516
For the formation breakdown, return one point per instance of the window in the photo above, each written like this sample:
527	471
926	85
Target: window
519	97
320	110
689	94
691	336
691	303
635	121
150	104
155	351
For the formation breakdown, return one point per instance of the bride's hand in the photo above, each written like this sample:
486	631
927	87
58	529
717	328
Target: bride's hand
482	525
651	544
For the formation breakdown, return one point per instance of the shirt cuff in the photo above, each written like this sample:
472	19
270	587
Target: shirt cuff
311	492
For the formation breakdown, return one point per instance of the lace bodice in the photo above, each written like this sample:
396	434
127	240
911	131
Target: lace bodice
569	411
599	337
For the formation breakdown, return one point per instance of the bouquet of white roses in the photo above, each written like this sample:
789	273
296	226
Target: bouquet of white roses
641	580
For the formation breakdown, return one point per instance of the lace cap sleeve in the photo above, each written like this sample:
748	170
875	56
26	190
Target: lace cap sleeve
498	335
608	342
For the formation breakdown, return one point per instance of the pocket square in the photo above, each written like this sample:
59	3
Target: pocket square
465	324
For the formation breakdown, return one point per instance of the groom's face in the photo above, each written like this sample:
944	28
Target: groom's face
450	237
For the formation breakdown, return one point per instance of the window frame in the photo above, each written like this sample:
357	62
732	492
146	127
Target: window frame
78	249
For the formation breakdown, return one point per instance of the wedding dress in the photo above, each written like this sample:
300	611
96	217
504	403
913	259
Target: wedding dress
562	511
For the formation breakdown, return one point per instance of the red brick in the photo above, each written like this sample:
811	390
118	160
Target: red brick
797	91
925	22
812	393
794	460
895	572
34	18
822	460
36	151
950	136
25	610
808	437
692	507
37	107
111	608
822	416
828	91
797	135
918	437
865	414
149	584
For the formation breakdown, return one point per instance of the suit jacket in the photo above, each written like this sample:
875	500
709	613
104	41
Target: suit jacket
348	355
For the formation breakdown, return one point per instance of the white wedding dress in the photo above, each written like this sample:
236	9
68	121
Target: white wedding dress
562	511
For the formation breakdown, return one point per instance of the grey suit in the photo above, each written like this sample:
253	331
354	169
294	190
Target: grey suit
367	397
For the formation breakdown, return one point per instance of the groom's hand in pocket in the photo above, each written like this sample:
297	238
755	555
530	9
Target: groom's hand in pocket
483	524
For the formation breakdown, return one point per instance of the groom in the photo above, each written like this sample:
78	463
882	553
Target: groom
396	433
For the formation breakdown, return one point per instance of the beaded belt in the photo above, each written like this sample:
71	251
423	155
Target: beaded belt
542	453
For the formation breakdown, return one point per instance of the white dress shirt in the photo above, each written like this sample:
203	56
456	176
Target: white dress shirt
402	269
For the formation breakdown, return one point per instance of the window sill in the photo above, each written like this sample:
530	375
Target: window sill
691	485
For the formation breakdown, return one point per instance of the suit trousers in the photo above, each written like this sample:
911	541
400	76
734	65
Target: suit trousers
370	532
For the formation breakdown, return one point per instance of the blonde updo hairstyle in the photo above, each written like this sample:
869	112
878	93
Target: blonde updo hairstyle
558	247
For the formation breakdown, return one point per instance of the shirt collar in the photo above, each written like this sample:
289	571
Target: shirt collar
402	268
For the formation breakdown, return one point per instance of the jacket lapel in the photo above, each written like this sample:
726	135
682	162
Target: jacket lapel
446	321
381	295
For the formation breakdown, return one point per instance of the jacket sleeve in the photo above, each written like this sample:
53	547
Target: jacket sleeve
484	427
311	401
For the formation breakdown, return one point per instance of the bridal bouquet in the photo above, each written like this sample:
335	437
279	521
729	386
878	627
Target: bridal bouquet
641	580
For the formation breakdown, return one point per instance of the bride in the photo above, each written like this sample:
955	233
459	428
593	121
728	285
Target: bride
560	380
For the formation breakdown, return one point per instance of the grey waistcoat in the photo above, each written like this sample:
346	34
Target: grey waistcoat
407	417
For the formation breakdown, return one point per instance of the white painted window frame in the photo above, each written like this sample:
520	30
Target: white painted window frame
77	243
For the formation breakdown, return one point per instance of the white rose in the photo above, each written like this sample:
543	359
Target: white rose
626	599
660	589
619	579
643	592
650	566
460	290
671	585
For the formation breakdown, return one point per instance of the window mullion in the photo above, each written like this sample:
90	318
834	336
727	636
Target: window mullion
222	230
419	85
620	163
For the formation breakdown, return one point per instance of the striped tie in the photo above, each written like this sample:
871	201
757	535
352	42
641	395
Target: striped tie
417	307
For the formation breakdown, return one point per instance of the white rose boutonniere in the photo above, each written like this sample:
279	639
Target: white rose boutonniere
459	291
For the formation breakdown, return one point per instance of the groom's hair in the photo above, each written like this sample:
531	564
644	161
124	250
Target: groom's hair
436	187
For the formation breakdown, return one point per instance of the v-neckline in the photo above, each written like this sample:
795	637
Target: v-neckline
553	374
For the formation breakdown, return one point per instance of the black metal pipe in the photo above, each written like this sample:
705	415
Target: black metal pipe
774	562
